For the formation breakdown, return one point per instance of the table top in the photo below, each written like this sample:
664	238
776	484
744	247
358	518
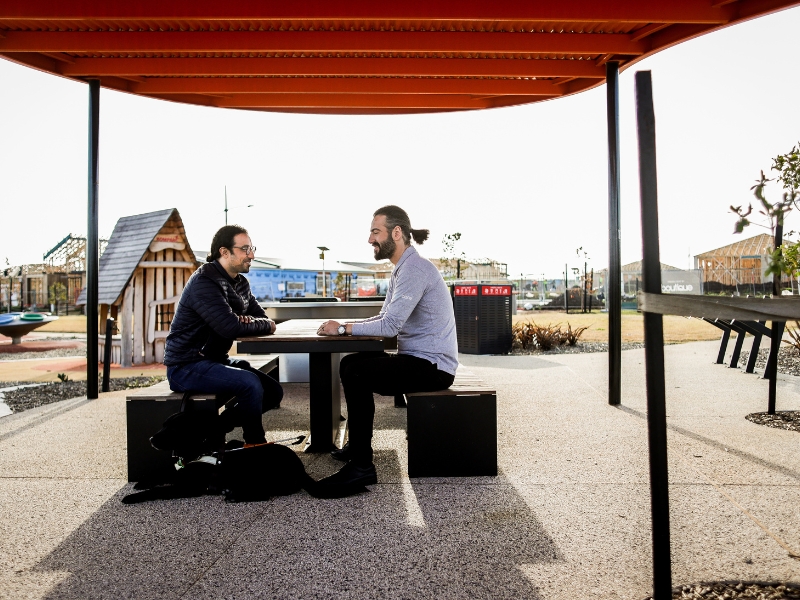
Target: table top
300	335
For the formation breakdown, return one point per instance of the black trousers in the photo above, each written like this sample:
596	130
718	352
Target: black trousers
366	373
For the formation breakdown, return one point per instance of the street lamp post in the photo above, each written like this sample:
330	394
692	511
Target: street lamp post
226	205
322	250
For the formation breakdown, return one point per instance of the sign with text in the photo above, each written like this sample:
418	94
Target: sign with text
466	290
496	290
681	281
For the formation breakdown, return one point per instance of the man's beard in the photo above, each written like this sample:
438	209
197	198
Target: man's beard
385	249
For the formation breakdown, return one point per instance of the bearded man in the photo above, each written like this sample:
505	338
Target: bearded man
418	310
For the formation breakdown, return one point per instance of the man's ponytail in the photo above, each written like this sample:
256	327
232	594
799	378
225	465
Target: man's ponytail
420	235
397	217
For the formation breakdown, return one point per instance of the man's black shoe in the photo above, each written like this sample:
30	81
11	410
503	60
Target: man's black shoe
352	475
344	454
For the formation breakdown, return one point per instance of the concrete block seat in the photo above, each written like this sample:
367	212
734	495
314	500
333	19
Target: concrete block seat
148	408
453	432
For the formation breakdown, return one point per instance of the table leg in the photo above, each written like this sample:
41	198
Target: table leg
325	402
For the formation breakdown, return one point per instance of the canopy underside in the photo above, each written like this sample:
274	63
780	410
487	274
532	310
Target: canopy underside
341	57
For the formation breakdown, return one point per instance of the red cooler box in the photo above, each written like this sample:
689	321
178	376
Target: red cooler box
483	317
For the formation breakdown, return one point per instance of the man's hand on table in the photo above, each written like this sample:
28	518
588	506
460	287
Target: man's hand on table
332	328
250	319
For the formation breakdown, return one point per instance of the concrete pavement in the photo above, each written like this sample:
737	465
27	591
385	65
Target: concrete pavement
567	518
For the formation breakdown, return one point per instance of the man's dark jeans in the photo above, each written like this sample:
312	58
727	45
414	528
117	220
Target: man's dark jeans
246	392
388	375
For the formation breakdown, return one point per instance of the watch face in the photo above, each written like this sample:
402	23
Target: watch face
342	329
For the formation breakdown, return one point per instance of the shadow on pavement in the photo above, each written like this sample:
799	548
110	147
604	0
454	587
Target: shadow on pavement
467	541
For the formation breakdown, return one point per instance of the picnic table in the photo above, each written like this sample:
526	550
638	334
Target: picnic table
299	336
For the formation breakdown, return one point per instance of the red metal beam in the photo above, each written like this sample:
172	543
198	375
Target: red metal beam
581	11
355	111
424	101
344	85
171	42
642	33
747	9
397	67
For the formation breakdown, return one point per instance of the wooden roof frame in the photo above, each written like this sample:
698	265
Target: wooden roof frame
354	57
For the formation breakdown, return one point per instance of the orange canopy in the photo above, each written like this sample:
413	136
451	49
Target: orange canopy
353	57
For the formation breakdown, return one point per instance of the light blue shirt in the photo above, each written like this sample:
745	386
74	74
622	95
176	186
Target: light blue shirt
419	310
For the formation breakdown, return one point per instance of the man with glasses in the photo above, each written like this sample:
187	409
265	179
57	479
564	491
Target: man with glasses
217	307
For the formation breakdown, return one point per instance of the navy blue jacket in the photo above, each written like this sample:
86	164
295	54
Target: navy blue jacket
206	320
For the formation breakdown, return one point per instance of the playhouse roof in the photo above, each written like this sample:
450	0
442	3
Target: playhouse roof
127	246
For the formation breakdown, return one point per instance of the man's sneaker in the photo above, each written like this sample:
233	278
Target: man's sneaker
352	475
344	454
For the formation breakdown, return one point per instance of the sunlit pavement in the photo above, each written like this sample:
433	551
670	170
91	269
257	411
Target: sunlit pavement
567	518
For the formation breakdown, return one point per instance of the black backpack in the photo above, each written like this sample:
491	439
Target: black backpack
243	474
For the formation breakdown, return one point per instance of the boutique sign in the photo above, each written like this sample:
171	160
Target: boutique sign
681	282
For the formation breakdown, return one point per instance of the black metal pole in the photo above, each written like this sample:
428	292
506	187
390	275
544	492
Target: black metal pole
614	299
585	283
777	333
653	340
92	245
107	354
566	289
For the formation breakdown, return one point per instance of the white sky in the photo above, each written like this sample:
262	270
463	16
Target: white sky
525	185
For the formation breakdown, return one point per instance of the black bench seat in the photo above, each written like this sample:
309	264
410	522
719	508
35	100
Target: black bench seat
453	432
146	410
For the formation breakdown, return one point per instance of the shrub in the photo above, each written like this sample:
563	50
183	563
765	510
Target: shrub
794	334
527	334
548	336
571	337
522	334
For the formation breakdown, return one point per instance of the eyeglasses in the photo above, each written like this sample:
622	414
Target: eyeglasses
246	249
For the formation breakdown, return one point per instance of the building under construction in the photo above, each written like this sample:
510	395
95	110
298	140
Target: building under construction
738	267
54	284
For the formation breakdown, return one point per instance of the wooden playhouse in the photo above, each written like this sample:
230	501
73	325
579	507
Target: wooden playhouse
142	273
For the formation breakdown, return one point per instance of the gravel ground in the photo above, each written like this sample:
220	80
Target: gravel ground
736	591
788	360
787	419
578	348
56	353
30	397
788	364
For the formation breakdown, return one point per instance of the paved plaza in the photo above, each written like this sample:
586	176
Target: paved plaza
567	517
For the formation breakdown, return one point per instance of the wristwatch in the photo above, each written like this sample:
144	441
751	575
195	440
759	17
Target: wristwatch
342	330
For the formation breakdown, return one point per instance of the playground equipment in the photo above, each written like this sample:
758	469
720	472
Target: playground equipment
15	325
